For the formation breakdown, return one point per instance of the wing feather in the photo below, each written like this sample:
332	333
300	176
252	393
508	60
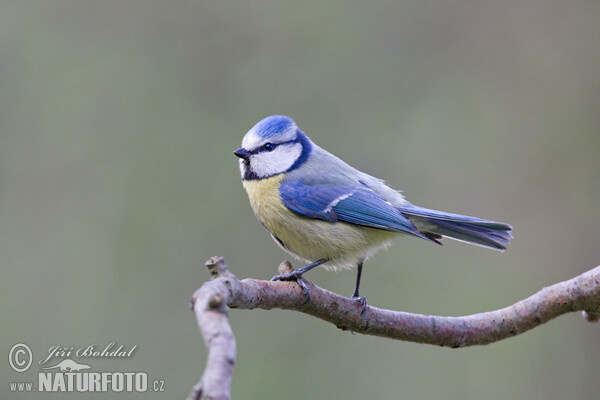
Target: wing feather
354	205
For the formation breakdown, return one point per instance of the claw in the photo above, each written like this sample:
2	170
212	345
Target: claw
305	289
295	276
362	301
292	276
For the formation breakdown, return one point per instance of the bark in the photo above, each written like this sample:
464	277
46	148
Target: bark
212	301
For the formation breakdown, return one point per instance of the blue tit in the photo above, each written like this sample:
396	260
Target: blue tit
320	209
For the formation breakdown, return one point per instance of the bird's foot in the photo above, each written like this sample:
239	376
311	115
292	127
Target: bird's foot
360	300
297	277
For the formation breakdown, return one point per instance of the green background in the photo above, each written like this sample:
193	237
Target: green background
117	181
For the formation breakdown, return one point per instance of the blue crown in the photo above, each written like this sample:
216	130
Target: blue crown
273	125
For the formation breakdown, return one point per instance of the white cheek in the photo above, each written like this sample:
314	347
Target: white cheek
275	162
242	168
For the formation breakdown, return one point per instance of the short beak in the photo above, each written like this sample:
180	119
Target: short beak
242	153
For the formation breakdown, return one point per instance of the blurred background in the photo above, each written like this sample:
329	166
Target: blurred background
117	181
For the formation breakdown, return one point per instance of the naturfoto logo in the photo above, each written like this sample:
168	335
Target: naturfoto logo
59	372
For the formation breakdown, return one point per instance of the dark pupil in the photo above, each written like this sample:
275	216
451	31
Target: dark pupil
269	147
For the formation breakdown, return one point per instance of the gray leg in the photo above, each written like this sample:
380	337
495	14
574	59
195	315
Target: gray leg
357	285
356	293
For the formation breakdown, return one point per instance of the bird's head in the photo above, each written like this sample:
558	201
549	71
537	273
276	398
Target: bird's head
273	146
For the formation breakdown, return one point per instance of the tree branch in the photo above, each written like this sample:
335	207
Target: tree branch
212	300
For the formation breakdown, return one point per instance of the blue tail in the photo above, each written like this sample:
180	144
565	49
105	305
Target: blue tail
434	224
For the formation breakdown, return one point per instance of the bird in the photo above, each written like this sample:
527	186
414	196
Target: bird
320	209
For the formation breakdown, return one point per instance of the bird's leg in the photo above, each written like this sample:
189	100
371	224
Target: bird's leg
296	275
356	293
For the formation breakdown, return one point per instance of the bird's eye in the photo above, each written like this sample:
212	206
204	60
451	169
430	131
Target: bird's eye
269	147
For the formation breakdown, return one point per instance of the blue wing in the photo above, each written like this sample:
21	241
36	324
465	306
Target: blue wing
359	206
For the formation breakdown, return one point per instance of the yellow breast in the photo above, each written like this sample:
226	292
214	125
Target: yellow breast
265	199
309	238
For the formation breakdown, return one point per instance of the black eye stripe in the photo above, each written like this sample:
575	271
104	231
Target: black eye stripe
262	148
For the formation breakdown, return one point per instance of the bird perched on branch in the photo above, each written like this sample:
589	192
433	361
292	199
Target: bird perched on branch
322	210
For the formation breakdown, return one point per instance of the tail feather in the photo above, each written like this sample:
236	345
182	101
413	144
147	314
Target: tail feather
494	235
